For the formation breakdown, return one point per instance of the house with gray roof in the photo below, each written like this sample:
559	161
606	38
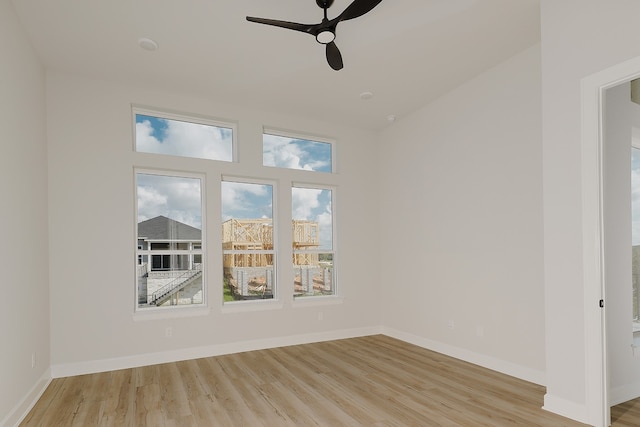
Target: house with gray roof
166	235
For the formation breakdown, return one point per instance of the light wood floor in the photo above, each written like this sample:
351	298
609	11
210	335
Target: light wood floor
626	414
368	381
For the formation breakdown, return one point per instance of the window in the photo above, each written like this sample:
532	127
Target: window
178	136
635	230
169	239
296	153
170	234
313	248
172	162
248	240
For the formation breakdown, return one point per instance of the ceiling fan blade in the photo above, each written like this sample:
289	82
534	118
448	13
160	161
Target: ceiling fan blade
334	57
357	9
282	24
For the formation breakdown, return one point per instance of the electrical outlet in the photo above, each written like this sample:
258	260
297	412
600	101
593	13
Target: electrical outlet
168	332
320	315
452	324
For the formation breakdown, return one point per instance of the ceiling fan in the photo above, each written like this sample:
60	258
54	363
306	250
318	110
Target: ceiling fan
325	31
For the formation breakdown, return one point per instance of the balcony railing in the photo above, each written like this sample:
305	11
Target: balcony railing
175	285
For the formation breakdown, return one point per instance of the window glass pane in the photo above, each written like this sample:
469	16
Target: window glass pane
635	230
296	153
247	241
181	138
313	251
169	244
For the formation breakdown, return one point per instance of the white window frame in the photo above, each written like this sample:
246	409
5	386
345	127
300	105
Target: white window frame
189	118
635	145
303	136
334	245
172	310
236	170
256	304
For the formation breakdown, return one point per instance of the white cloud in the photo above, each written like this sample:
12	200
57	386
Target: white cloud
308	204
246	201
184	139
150	203
304	201
318	164
287	153
177	198
325	221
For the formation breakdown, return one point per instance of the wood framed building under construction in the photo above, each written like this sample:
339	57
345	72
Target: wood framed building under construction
248	258
249	242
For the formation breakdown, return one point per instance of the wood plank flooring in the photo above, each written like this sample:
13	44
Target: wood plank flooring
368	381
626	414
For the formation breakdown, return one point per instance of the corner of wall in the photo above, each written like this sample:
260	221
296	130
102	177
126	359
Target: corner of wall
21	410
566	408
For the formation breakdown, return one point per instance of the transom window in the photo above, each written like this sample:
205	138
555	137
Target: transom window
176	135
293	152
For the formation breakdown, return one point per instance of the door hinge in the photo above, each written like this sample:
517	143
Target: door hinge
601	303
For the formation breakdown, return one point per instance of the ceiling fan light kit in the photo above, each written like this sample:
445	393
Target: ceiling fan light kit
325	31
325	37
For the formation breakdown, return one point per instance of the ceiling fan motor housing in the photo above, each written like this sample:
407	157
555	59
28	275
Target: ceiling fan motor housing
325	4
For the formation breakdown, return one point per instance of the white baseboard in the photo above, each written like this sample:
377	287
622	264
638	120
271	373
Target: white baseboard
512	369
21	410
566	408
552	404
104	365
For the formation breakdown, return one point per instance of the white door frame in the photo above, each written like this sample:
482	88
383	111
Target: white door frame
596	378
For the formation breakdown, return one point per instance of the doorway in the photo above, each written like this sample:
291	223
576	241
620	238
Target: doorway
595	268
621	238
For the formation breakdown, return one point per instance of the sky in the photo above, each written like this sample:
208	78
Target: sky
291	153
179	198
314	205
242	200
178	138
251	201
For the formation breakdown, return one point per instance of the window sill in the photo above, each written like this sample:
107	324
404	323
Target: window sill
246	306
170	313
317	301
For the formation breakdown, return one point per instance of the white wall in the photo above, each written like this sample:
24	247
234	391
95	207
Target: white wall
90	183
579	38
92	233
461	195
24	315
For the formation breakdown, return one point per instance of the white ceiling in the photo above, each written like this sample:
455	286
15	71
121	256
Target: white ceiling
407	52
